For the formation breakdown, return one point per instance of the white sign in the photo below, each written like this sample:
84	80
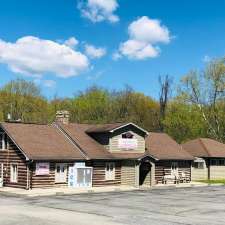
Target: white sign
127	143
71	176
42	168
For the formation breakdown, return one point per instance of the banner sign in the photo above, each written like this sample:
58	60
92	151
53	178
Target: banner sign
42	168
127	143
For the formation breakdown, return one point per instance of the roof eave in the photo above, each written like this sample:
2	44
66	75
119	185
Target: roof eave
124	125
14	141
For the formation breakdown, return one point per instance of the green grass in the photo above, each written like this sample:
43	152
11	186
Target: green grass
221	181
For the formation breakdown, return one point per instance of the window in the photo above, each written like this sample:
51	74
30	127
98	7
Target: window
110	171
14	173
174	168
3	141
221	162
42	168
217	162
127	135
199	165
214	162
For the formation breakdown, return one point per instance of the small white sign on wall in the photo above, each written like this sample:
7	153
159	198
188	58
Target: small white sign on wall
42	168
127	143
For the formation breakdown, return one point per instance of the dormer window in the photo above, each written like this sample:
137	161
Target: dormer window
127	135
3	141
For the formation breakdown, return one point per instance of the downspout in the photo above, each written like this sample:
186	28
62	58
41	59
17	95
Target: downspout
208	160
28	175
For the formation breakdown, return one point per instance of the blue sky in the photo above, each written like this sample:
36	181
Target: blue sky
66	45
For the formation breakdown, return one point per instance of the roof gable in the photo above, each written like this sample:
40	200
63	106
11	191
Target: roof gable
112	127
88	145
41	142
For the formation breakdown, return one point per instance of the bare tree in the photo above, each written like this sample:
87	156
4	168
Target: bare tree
165	89
206	90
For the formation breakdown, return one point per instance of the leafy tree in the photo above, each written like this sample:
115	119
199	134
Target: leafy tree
183	121
23	101
206	91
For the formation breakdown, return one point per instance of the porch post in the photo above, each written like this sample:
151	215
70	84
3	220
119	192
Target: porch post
152	174
137	169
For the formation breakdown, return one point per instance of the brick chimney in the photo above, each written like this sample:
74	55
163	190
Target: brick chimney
62	116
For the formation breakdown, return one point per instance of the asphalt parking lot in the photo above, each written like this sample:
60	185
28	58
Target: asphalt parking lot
199	205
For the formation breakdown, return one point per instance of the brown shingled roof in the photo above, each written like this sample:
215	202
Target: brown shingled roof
163	147
47	142
101	128
89	146
42	142
205	147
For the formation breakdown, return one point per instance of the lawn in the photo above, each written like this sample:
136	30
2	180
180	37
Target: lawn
221	181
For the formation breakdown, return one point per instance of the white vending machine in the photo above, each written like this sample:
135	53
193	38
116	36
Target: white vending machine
80	175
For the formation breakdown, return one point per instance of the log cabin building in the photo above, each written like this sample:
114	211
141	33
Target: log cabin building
209	162
85	155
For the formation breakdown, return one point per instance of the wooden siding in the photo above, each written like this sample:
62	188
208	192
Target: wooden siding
13	156
42	181
99	174
199	174
163	168
217	172
113	142
128	173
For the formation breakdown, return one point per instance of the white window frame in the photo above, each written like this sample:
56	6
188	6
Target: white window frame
4	141
110	174
13	178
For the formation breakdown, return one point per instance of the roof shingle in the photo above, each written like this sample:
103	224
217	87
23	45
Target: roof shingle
205	147
163	147
42	142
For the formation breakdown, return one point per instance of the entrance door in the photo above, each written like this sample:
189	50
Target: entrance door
145	174
174	169
60	173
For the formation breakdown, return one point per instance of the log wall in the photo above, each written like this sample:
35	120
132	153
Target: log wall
128	173
163	168
13	156
98	178
46	181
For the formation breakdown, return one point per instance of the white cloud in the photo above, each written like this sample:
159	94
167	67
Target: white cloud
45	83
99	10
71	42
49	83
144	34
95	76
34	56
206	59
148	30
134	49
94	52
116	56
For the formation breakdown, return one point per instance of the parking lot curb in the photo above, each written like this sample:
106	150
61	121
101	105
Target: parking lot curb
96	191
